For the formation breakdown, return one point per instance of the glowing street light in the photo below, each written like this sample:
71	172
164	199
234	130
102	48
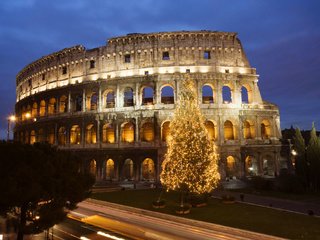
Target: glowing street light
11	119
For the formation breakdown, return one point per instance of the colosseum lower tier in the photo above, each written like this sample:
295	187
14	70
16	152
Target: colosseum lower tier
112	105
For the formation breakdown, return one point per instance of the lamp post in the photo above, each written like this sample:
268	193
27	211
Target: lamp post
11	119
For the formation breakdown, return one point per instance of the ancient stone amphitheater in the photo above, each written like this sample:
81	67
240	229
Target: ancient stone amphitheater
112	105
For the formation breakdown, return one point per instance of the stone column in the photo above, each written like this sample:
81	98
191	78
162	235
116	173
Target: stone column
84	100
118	104
98	129
69	102
137	130
100	100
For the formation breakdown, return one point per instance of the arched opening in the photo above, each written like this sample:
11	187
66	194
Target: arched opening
147	132
34	111
211	130
78	103
244	95
148	170
32	137
52	106
128	97
110	100
231	166
91	134
265	129
128	132
226	94
228	130
93	167
207	94
268	166
93	102
251	166
165	129
167	95
21	137
51	135
62	136
26	137
109	169
108	133
75	135
248	130
41	135
63	103
42	110
128	170
147	96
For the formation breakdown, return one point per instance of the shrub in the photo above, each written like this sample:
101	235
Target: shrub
260	183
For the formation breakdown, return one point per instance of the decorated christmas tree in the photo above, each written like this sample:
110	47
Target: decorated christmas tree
190	164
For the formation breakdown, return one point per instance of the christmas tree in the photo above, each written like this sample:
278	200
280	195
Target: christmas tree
190	164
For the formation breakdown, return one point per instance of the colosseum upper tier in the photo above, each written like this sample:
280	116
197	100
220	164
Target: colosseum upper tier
112	105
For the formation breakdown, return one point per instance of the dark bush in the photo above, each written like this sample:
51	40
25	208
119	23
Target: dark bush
289	183
260	183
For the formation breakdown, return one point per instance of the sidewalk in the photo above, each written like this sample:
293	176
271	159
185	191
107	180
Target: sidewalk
271	202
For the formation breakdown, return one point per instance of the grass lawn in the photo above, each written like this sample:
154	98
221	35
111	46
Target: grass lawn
257	219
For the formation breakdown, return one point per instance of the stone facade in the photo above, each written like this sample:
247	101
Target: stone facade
112	105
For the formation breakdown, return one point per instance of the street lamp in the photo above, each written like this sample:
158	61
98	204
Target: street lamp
11	119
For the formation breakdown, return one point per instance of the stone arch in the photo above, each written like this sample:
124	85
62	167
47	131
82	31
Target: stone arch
147	95
63	104
110	170
93	167
34	111
248	130
251	166
268	165
165	129
51	135
93	103
207	94
109	98
265	129
246	93
32	136
211	129
127	132
147	132
148	169
91	134
75	134
231	168
52	106
228	130
42	109
128	170
40	136
128	97
167	94
108	135
77	104
227	94
62	136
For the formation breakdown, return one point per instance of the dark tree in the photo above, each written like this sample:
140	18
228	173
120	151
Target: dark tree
39	184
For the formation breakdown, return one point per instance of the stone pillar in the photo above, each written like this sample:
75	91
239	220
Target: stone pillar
118	103
137	139
100	100
84	100
69	102
98	129
137	99
117	140
83	133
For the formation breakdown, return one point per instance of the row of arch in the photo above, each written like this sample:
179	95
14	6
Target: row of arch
90	102
126	172
147	132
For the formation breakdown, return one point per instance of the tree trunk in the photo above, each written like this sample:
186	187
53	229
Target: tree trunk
181	199
22	223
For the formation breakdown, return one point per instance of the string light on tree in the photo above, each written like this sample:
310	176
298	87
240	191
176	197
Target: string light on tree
190	163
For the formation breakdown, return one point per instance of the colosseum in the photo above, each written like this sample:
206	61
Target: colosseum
112	105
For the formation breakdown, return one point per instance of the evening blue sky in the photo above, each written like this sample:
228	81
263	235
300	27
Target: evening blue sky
281	39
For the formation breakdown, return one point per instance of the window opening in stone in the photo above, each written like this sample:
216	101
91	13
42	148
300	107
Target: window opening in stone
128	132
91	134
128	97
228	130
108	134
147	96
62	136
92	64
64	70
206	55
244	95
165	131
147	132
109	169
207	94
167	95
211	130
110	100
78	103
148	169
127	58
75	135
165	55
226	95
